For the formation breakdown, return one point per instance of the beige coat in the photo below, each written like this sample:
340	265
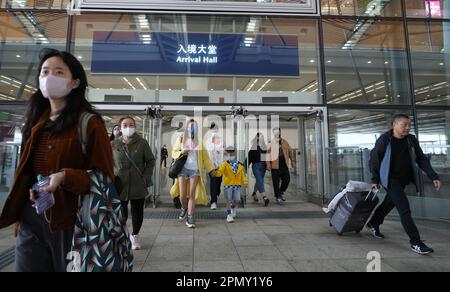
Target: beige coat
274	154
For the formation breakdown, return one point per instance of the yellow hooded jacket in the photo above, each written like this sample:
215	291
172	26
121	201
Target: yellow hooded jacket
231	179
204	163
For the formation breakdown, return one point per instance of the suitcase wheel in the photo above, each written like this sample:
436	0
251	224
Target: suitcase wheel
340	233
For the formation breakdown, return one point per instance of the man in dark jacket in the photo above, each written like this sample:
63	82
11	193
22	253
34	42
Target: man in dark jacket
394	163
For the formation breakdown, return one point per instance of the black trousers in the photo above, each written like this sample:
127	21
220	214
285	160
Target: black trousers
38	249
137	214
164	161
215	188
280	175
396	197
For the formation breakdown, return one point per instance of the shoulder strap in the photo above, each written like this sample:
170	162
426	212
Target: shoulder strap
127	154
82	130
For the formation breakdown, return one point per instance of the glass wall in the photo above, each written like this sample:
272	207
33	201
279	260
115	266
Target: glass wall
390	8
11	119
303	88
35	4
428	8
365	62
22	36
430	54
434	133
352	135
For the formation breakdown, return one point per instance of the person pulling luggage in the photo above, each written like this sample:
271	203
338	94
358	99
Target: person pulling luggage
390	169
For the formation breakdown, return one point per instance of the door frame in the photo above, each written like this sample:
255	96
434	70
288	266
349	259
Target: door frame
324	176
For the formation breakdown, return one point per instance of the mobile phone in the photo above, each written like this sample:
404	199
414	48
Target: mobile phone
44	200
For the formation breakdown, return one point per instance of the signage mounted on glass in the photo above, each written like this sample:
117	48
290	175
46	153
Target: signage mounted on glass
298	7
433	8
195	54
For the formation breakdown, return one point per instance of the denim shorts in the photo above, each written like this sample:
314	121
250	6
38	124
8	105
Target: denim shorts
189	173
232	194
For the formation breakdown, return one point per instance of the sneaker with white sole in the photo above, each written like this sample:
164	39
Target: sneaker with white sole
230	218
421	248
213	206
375	230
183	214
135	242
190	222
234	212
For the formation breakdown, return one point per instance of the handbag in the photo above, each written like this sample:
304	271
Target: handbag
101	241
177	166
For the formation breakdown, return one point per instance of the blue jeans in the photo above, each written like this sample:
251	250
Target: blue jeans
259	171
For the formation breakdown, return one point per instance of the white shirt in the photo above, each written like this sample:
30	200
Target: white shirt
215	150
191	162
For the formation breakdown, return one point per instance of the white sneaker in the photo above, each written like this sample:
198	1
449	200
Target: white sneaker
234	212
230	218
135	242
213	206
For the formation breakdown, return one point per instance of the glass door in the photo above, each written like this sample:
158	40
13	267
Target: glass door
314	151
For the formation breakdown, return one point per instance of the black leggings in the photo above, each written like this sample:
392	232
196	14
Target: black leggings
137	214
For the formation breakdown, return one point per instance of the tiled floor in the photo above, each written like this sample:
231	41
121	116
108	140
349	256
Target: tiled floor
285	245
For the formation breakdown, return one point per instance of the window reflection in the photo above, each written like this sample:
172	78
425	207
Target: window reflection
428	8
22	36
430	53
365	62
434	134
388	8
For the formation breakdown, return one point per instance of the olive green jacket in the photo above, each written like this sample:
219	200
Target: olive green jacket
135	184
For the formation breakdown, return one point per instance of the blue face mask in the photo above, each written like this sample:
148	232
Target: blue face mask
232	158
192	131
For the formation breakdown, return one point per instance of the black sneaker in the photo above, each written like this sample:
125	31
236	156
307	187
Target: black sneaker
375	230
255	198
182	214
266	201
421	248
190	222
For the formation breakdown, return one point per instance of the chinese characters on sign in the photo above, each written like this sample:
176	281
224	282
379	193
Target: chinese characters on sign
195	54
201	54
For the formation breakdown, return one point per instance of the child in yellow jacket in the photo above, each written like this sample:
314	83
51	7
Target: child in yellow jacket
234	178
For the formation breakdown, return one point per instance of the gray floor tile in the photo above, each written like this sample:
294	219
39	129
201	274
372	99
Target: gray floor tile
218	266
267	266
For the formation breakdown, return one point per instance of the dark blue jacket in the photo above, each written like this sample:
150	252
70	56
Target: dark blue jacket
380	160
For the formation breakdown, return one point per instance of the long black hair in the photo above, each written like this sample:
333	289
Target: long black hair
76	101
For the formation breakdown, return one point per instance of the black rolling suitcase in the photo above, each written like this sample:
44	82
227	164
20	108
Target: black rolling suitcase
353	211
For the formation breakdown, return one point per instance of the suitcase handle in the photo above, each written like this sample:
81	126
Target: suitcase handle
374	192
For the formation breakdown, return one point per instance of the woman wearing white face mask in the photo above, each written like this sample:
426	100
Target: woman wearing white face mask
134	163
51	148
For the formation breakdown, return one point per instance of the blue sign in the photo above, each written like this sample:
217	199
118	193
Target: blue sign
195	54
